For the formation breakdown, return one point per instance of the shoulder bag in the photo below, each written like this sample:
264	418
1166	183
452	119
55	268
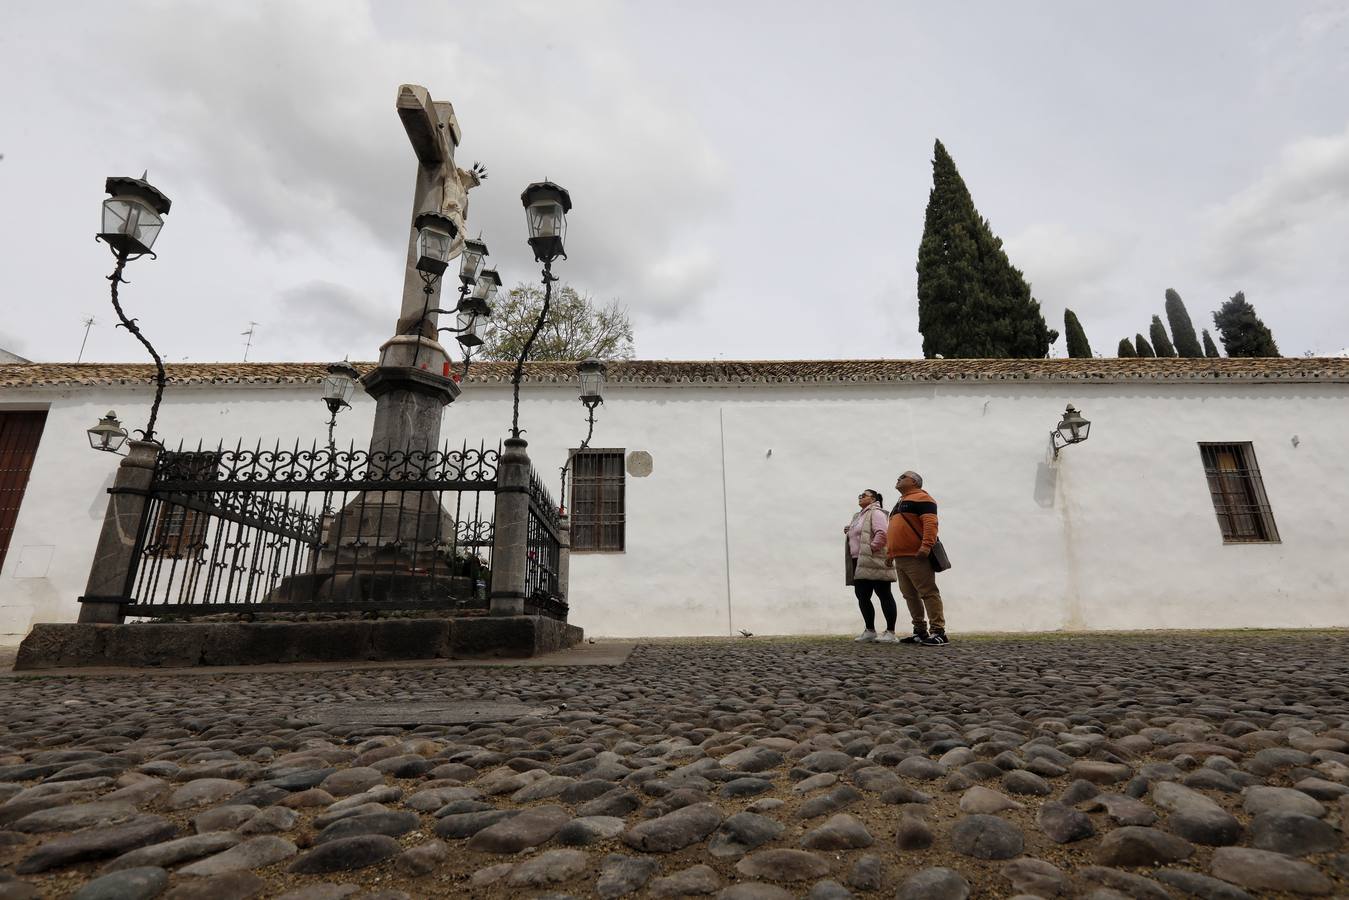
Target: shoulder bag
936	557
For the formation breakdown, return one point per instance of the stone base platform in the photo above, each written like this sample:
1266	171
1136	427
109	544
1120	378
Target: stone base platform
168	645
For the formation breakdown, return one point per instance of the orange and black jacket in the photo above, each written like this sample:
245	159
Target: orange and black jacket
916	509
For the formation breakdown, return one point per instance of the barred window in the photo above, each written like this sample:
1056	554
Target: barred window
180	531
598	500
1238	494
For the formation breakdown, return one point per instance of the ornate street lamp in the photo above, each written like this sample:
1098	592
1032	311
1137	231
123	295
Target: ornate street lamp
1072	429
591	375
471	260
546	207
473	315
338	386
592	372
108	435
133	216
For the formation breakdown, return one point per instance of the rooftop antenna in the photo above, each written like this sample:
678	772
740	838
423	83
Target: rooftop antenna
249	333
88	323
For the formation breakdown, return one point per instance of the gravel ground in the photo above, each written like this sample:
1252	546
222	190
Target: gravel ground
1100	766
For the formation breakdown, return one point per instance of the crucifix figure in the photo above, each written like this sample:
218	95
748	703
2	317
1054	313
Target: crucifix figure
442	187
411	385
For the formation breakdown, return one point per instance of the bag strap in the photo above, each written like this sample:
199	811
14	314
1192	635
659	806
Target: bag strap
911	528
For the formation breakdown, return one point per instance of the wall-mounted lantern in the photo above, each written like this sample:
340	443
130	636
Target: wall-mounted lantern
1072	429
108	435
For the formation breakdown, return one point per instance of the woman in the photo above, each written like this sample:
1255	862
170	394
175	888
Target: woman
868	570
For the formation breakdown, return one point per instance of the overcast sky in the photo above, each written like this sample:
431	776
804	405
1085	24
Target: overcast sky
749	178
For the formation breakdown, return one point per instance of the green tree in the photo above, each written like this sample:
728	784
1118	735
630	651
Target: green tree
1241	331
576	327
1126	349
1159	339
1210	348
1142	346
1078	348
972	302
1182	329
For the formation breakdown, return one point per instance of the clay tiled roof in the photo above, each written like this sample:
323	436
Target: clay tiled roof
1297	369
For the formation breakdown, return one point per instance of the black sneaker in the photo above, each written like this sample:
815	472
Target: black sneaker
936	639
918	637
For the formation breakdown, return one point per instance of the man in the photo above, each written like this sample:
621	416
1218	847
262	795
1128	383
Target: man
909	540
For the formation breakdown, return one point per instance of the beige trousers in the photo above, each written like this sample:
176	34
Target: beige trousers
918	584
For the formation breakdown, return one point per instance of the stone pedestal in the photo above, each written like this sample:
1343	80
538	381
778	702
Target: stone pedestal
510	545
105	594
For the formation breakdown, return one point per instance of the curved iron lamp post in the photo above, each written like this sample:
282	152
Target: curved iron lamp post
133	215
473	315
1072	429
592	373
546	207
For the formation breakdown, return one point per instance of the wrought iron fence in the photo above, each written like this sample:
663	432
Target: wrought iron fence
313	529
543	553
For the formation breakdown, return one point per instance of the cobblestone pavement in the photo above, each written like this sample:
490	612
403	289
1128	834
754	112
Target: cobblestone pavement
1160	765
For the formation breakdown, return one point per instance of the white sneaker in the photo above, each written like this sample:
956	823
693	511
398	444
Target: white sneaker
865	637
887	637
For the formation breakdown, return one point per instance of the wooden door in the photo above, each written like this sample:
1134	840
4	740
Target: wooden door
19	436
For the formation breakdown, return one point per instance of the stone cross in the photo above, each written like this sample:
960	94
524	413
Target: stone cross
411	384
442	187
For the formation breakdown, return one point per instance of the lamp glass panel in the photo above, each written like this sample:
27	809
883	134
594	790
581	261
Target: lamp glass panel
480	327
490	294
470	263
130	217
469	324
481	288
546	219
116	211
433	243
337	387
592	384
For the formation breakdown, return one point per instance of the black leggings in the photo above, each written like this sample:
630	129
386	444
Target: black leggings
863	589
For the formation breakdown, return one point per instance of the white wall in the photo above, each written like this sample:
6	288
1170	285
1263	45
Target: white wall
1118	533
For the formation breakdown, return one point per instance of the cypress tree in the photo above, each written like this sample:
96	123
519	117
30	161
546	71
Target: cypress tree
1182	329
1159	339
1241	331
972	302
1210	349
1126	349
1142	346
1078	348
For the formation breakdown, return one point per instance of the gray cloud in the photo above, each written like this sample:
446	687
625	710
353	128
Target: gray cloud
1297	209
286	112
332	318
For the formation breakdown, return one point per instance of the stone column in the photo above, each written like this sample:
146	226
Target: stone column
563	554
105	595
511	531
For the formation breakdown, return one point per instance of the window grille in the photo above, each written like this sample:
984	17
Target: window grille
1238	492
180	530
598	501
